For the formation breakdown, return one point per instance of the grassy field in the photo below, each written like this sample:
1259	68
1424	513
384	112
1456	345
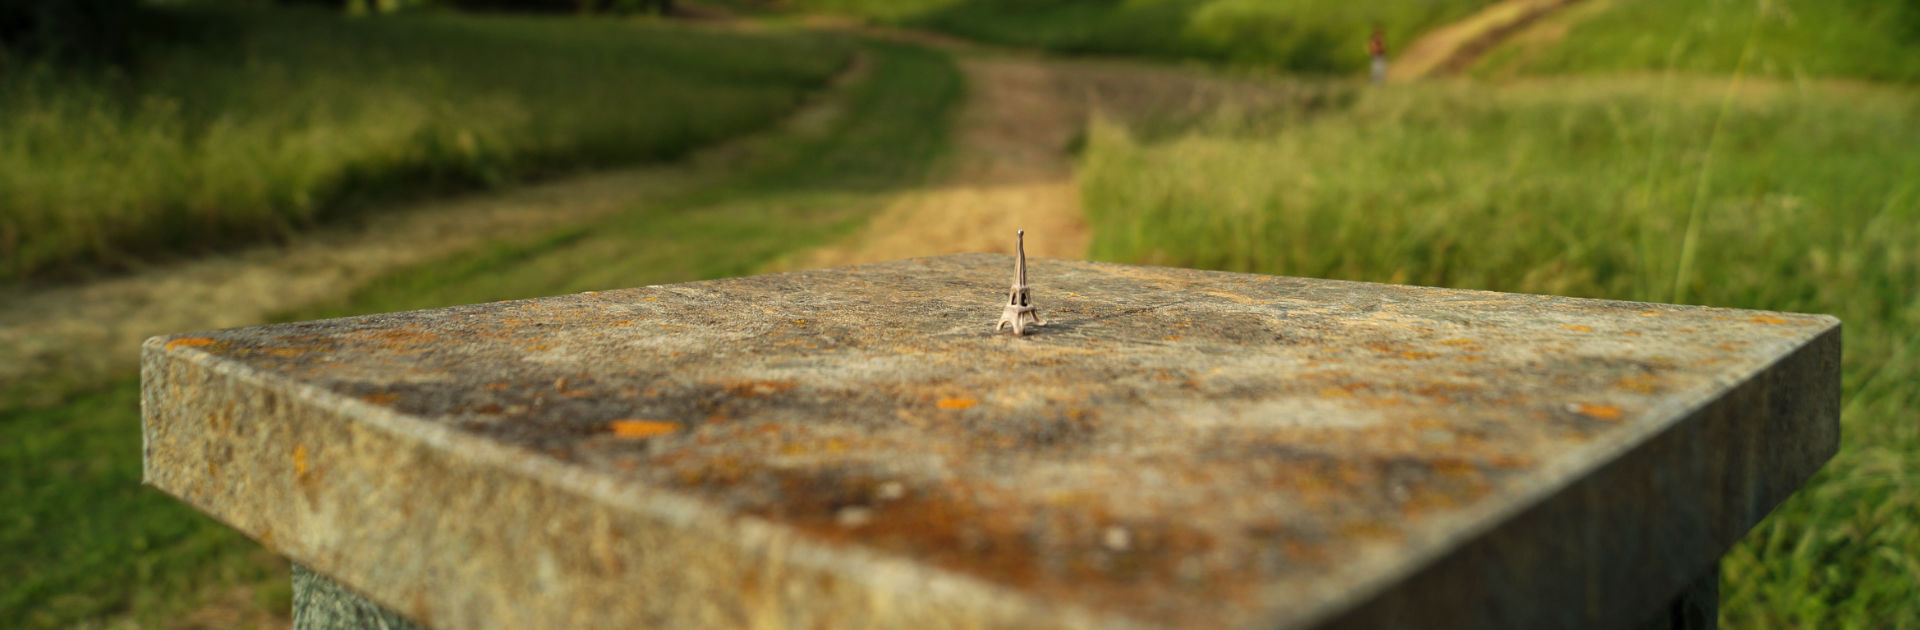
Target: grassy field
83	544
805	194
1319	36
1676	190
1786	39
250	123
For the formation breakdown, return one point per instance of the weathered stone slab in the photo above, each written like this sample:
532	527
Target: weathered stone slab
855	447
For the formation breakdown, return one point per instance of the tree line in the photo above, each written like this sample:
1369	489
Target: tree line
107	30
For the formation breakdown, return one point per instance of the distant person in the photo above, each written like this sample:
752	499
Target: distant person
1377	48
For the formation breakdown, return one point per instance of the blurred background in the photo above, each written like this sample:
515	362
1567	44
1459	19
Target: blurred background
187	165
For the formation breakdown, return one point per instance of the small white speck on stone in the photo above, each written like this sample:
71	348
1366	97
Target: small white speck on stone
890	491
1117	539
854	516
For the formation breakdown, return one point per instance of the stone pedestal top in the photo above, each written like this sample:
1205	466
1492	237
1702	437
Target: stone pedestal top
858	447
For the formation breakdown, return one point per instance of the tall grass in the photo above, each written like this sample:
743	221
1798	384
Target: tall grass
1868	39
1811	203
1320	36
257	122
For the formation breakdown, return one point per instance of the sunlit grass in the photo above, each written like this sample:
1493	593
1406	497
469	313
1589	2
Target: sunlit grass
1868	39
250	123
1318	36
1805	200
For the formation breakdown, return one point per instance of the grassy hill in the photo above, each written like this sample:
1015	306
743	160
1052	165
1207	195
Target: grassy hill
1785	39
248	123
1317	36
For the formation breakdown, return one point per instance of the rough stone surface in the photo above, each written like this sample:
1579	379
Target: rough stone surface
322	604
856	447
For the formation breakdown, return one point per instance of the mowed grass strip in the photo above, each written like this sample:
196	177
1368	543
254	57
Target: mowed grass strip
242	123
83	544
1773	197
1320	36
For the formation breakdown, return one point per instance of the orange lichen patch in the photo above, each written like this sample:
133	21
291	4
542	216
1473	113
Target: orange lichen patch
1469	358
300	461
1418	355
1456	342
635	428
1767	319
1602	412
381	398
1369	528
1639	383
1170	338
955	403
1510	461
494	387
1649	313
755	389
1335	392
1383	403
189	342
1454	467
811	447
1578	327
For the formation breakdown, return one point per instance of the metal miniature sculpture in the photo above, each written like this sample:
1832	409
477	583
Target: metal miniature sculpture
1020	311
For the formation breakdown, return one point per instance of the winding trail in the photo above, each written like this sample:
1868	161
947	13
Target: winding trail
1450	49
1009	170
1012	163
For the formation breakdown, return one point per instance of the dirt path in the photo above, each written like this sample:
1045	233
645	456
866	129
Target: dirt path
89	333
1452	48
1009	170
1011	166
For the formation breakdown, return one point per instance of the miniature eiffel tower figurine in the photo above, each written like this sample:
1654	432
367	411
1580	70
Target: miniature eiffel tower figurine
1020	311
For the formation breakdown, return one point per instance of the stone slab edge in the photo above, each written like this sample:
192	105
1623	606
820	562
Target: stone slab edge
1748	450
456	532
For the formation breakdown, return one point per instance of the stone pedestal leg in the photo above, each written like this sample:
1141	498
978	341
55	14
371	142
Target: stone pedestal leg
1696	608
322	604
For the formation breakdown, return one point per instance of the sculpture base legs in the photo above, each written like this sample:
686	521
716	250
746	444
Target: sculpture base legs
320	603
